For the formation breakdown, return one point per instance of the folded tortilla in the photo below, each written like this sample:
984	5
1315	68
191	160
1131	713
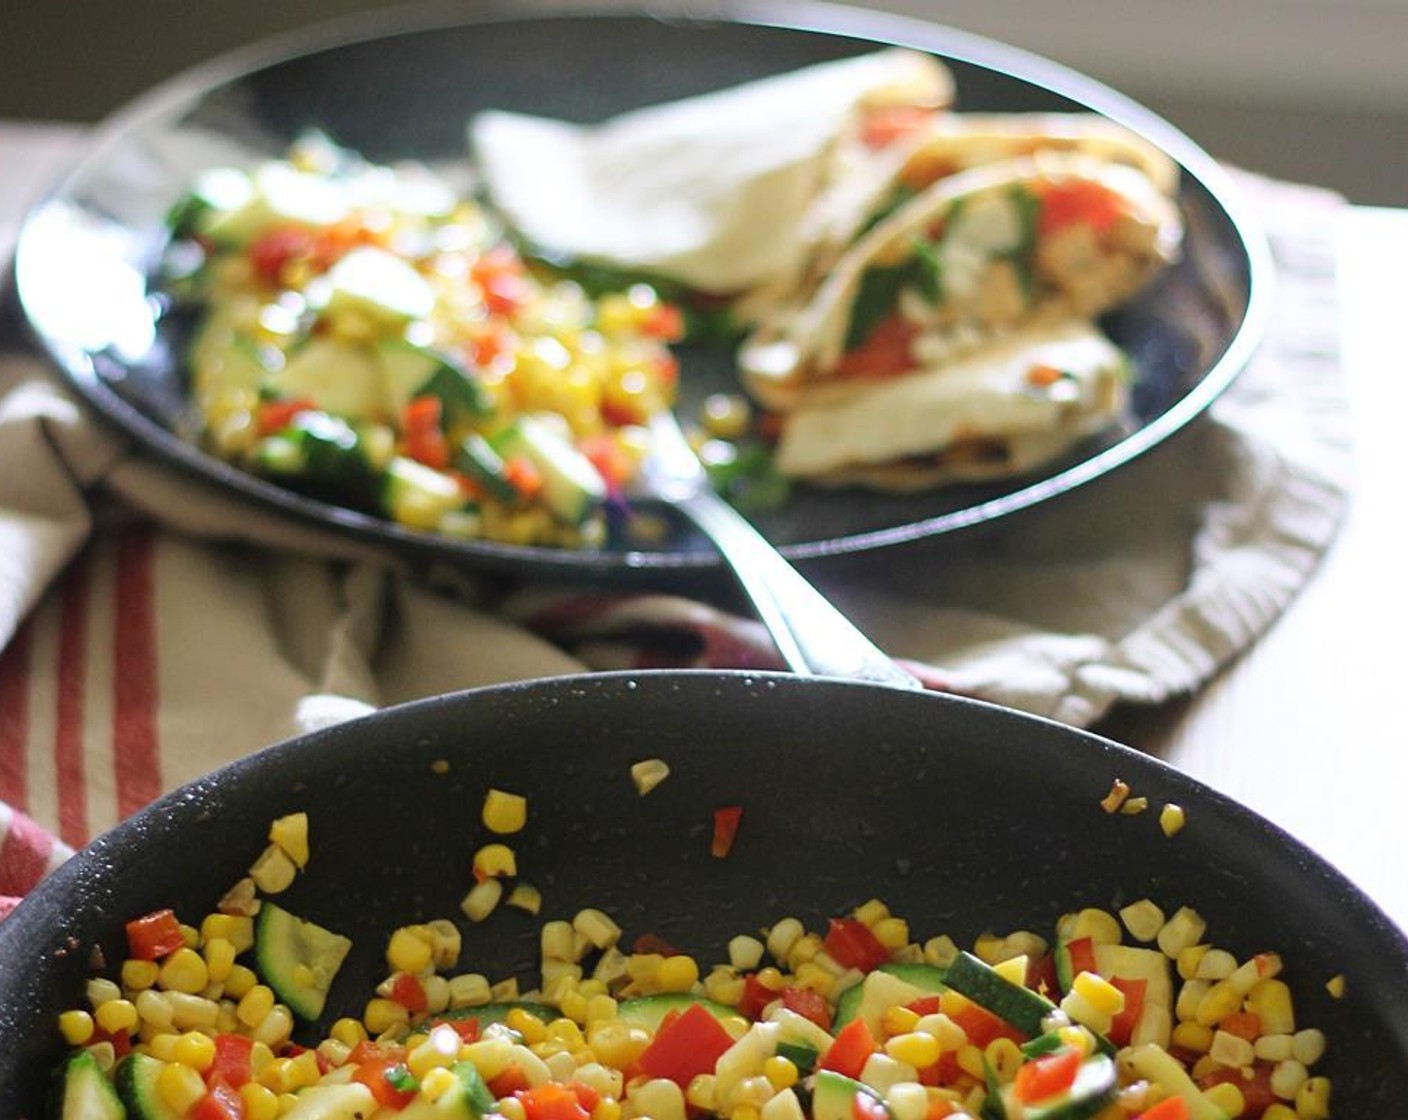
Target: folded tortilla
1006	410
712	191
976	256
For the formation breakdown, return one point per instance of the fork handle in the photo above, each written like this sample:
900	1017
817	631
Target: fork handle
814	638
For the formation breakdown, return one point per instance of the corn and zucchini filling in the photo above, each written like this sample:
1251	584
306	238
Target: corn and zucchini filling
366	334
1112	1015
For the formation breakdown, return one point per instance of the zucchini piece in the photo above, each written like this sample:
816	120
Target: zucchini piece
650	1011
833	1095
375	284
572	487
468	1099
800	1055
410	371
488	1013
297	958
418	496
926	979
85	1093
476	458
336	376
1092	1091
135	1080
1020	1006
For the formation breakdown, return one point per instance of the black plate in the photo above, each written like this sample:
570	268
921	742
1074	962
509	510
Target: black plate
396	91
964	816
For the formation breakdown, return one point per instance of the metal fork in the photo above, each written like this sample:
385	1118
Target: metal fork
814	638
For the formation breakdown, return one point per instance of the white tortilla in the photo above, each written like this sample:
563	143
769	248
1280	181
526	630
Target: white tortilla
713	190
791	355
893	434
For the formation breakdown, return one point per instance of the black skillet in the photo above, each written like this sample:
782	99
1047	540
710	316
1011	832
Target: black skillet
965	817
404	84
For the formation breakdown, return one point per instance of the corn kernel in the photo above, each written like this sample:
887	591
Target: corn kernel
408	952
649	773
1279	1111
511	1108
971	1061
868	913
435	1083
812	977
256	1003
805	948
1185	928
897	1019
504	812
117	1016
1005	1058
219	957
439	1051
139	975
99	991
273	871
700	1092
481	900
238	930
1313	1099
1308	1046
504	989
941	951
276	1027
1192	1036
192	1013
1102	995
746	953
303	1070
239	981
184	971
382	1014
1271	1000
259	1103
597	928
290	835
525	897
781	938
1172	818
195	1050
1287	1078
891	932
607	1108
76	1026
1100	926
1273	1047
1226	1098
1188	960
179	1087
914	1049
1216	964
781	1073
769	978
555	941
677	974
723	986
661	1100
1013	970
495	861
1143	920
527	1024
1335	985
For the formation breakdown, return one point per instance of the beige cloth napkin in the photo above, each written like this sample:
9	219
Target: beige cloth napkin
151	630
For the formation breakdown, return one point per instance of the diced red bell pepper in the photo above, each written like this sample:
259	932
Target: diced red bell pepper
551	1101
274	249
726	821
275	416
423	432
851	944
982	1026
1243	1024
605	453
653	943
154	935
1256	1091
1081	952
1077	202
232	1062
409	992
686	1047
756	996
221	1102
382	1076
665	322
943	1072
885	353
807	1004
1122	1025
1044	1077
512	1080
924	1005
851	1050
1170	1108
1041	975
523	476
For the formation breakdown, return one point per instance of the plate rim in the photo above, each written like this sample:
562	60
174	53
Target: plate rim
818	17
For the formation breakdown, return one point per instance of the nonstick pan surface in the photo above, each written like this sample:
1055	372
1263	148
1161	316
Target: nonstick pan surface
963	816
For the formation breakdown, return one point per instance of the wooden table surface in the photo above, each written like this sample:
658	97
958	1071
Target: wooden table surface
1304	727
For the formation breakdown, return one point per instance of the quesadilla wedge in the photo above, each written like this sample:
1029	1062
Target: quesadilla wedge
1006	410
715	192
981	254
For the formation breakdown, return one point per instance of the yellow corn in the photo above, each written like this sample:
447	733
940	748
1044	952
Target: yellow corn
179	1087
276	1027
781	938
435	1083
700	1092
527	1024
273	871
1185	928
597	928
195	1050
813	977
1335	985
290	834
1188	959
1279	1111
495	861
1226	1097
770	978
504	812
897	1019
915	1049
1143	919
891	932
781	1073
648	774
138	975
971	1061
1313	1099
677	974
117	1016
184	971
239	981
1192	1036
1099	925
76	1026
381	1015
163	1046
869	913
1220	1001
1172	818
439	1051
349	1032
1271	1000
259	1103
219	957
746	953
237	929
1005	1058
1099	992
407	951
256	1003
1288	1078
1013	969
481	900
607	1108
525	897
